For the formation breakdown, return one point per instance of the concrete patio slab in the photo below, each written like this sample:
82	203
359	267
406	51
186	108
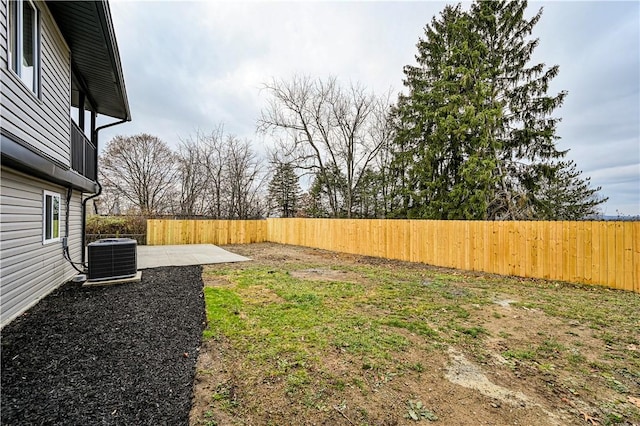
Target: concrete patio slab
184	255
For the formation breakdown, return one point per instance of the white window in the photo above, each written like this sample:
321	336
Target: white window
23	42
51	217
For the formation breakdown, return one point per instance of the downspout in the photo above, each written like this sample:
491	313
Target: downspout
94	137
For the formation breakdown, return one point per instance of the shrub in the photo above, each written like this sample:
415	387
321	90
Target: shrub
98	227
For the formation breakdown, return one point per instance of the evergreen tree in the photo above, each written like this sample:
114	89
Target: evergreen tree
567	196
369	197
475	134
442	141
525	132
284	190
329	191
316	204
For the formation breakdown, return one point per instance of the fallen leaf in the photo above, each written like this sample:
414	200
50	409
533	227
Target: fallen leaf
635	401
568	402
592	420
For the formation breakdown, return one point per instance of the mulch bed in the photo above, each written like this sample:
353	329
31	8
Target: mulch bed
122	354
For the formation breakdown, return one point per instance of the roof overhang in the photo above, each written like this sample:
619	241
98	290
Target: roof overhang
95	60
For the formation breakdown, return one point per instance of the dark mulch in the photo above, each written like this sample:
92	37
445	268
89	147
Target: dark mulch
114	355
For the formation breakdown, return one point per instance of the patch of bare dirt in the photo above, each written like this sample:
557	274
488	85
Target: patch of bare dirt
323	274
214	281
274	254
367	397
214	372
519	331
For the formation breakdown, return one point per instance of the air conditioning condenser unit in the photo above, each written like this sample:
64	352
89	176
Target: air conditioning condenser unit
111	259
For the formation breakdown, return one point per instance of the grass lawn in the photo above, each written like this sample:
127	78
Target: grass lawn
304	336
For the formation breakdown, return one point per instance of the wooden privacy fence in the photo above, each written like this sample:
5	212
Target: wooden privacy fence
219	232
601	253
598	253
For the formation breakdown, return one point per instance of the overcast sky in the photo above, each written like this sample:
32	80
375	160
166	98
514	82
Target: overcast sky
194	65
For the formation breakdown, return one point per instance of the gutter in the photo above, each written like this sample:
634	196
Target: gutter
104	11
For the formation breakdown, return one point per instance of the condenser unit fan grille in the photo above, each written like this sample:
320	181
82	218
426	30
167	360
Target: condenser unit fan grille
112	258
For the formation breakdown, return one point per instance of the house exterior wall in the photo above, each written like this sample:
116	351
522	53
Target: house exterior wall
3	34
30	269
41	121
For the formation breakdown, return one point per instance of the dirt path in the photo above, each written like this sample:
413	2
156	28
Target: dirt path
497	355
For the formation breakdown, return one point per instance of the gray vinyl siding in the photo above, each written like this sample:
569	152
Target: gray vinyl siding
29	269
3	34
42	122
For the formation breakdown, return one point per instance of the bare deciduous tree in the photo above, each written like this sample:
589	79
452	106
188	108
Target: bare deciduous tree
139	169
244	180
214	157
213	175
220	176
328	129
192	159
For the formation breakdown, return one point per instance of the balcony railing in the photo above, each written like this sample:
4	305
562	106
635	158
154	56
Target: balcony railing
83	153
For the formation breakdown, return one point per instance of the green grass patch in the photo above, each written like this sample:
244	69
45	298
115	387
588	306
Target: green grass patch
306	318
415	326
473	331
520	355
550	349
223	309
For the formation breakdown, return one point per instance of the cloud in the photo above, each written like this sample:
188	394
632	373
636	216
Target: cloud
193	65
597	46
